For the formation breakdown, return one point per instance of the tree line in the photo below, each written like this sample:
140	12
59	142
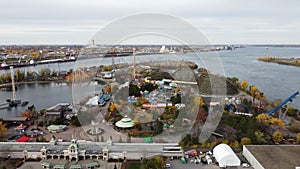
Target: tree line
21	76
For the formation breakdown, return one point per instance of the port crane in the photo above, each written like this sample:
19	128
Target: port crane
284	102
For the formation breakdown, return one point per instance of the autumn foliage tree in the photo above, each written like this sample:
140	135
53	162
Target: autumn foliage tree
3	129
112	108
199	101
298	138
277	137
107	89
277	122
254	92
69	78
263	118
26	114
244	85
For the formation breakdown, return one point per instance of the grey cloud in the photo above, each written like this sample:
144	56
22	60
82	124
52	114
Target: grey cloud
227	19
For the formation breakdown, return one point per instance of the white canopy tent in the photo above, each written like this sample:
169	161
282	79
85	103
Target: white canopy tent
225	156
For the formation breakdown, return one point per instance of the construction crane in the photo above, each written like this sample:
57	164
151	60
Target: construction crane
284	102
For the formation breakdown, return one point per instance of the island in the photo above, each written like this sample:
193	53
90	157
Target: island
281	61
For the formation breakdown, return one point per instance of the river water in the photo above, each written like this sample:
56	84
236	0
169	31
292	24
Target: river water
276	81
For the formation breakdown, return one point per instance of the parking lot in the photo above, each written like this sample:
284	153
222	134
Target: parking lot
176	164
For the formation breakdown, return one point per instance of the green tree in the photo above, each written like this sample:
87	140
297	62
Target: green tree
260	137
214	143
195	146
205	145
234	80
156	162
44	73
75	121
235	144
225	141
19	75
246	141
295	128
186	140
277	137
43	139
6	78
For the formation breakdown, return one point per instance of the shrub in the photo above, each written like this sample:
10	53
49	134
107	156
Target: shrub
19	163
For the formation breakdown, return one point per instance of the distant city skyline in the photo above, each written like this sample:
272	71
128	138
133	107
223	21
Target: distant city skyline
222	22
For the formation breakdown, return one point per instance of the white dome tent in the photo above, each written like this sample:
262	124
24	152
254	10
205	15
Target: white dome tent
225	156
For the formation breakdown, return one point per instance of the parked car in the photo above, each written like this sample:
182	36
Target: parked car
101	102
245	165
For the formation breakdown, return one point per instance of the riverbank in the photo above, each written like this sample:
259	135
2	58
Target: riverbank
281	61
7	85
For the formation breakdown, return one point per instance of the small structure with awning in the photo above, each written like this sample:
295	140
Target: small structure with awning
75	166
45	164
59	166
148	140
92	165
57	128
22	139
20	128
125	123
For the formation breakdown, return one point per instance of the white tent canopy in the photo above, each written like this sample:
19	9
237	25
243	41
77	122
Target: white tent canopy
225	156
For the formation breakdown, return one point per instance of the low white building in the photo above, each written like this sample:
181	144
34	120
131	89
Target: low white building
225	156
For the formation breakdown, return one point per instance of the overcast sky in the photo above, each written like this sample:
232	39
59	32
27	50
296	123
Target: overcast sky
221	21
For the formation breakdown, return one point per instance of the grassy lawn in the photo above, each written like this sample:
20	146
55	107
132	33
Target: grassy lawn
133	166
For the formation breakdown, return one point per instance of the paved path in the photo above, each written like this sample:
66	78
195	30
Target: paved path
103	164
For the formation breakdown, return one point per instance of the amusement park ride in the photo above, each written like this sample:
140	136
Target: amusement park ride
283	103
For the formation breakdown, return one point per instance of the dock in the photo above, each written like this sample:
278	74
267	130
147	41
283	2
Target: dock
4	105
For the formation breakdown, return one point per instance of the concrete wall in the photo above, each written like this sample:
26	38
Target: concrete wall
251	159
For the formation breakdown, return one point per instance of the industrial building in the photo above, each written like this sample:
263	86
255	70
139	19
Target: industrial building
272	156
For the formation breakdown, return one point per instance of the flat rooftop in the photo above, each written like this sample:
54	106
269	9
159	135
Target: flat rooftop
12	119
276	156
